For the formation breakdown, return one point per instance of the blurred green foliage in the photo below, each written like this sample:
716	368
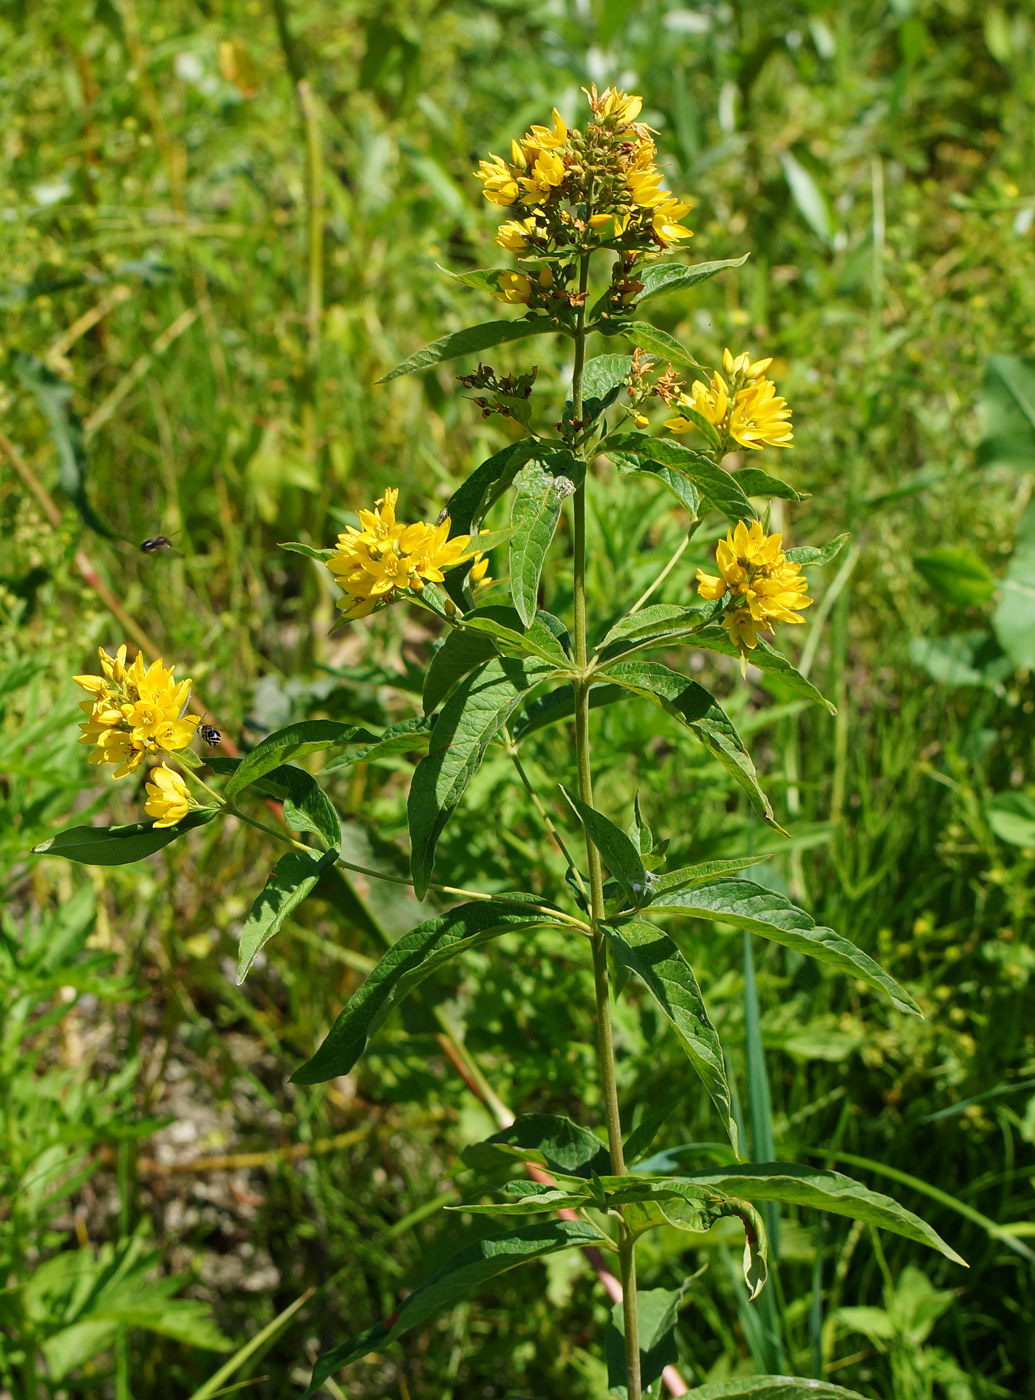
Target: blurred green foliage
876	161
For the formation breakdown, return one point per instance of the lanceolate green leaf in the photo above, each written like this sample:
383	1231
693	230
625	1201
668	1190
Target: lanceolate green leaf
460	653
755	482
652	955
744	904
649	337
487	484
504	626
640	465
309	551
482	279
408	736
693	706
620	855
460	1276
408	963
766	658
472	715
676	277
117	845
536	511
293	878
548	1139
306	806
308	736
660	619
711	480
700	874
808	556
823	1190
602	383
469	342
772	1388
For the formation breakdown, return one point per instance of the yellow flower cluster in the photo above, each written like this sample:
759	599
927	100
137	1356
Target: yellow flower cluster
740	403
385	557
575	183
168	800
765	587
134	711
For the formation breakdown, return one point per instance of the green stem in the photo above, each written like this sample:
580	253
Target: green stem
605	1041
192	777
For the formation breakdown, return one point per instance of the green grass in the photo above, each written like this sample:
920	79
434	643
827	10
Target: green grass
876	162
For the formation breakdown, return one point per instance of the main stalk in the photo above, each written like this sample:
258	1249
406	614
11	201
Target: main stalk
605	1041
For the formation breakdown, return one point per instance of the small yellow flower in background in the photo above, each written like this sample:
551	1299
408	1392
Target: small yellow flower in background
134	710
765	587
740	403
514	287
385	557
168	800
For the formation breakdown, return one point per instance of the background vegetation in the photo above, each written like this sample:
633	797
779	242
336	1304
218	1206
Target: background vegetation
164	1193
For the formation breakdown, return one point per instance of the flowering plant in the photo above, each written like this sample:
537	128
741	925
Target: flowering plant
505	670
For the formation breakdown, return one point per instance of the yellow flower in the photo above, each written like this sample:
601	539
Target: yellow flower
765	587
644	187
711	403
514	287
542	138
134	709
499	183
599	222
743	369
613	103
479	576
515	233
385	557
546	173
168	800
667	228
760	417
741	403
